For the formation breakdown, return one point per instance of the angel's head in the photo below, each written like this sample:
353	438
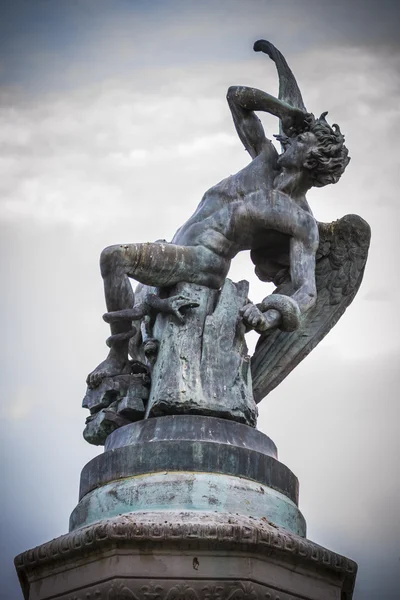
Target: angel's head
317	150
327	158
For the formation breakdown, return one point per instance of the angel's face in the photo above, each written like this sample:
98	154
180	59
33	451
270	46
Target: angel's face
297	151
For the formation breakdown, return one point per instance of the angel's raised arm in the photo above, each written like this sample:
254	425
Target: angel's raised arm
244	101
289	91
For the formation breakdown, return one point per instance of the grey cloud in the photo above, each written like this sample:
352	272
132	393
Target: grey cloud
66	43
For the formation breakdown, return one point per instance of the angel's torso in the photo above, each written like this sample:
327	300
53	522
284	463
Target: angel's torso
241	212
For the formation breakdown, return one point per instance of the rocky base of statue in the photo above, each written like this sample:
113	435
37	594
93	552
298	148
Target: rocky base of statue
171	555
202	365
116	402
199	365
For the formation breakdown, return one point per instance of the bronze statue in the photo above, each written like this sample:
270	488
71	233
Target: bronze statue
263	208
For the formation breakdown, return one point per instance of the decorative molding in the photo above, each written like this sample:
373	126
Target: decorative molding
215	590
222	531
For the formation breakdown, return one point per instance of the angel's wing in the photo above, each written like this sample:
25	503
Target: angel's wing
289	91
341	258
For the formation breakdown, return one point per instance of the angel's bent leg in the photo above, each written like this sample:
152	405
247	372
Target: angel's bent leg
119	294
155	264
158	264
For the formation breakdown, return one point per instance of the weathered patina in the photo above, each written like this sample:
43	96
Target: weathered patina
177	344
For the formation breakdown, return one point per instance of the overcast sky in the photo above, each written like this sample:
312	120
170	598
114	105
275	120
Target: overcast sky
113	123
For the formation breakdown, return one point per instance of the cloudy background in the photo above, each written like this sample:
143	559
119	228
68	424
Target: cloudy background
113	123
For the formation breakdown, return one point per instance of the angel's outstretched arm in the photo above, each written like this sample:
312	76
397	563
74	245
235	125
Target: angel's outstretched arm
341	258
302	273
283	311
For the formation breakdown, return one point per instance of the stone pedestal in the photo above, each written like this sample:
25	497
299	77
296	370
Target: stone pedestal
186	507
189	462
184	556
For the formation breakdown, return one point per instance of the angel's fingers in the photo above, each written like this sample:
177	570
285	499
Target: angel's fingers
250	311
243	309
256	314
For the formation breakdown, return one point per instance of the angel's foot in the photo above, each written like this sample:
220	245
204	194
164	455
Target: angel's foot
112	365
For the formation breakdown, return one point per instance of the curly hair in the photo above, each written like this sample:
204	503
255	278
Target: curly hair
329	158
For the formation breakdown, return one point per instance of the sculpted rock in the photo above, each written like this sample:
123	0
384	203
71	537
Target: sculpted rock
117	401
202	365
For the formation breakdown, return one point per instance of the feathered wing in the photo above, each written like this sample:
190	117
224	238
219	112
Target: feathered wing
289	91
341	257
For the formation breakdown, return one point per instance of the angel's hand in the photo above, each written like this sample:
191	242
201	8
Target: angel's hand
253	318
296	121
175	304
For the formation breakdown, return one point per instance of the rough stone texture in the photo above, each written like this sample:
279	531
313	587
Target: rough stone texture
184	556
116	402
202	365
